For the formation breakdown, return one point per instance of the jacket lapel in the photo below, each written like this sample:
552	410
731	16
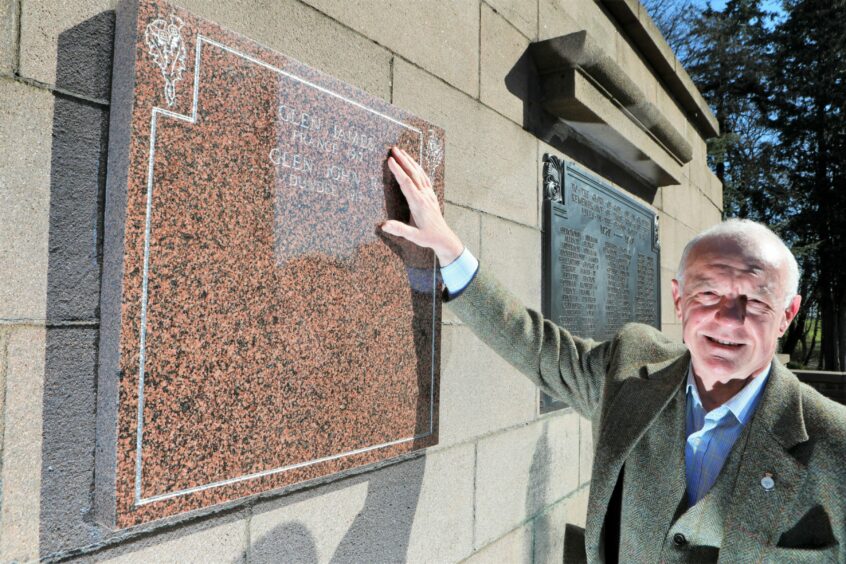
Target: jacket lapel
778	425
637	405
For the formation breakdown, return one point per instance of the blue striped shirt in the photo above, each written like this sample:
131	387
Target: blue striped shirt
710	436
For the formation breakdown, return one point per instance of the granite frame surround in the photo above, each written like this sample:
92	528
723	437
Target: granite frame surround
407	275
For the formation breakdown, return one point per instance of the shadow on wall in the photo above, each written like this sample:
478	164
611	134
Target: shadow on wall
379	531
538	493
290	538
380	526
524	83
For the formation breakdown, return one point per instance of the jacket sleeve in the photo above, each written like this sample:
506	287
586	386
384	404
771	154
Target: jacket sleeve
564	366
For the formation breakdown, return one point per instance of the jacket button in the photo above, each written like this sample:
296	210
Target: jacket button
679	539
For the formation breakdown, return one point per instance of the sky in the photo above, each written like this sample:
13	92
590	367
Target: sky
769	5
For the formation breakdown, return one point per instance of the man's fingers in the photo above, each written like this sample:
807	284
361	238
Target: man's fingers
400	229
405	163
421	174
405	183
411	168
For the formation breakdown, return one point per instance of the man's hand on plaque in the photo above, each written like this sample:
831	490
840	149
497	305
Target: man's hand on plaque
427	227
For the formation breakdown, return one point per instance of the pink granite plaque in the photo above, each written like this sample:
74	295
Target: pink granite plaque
257	329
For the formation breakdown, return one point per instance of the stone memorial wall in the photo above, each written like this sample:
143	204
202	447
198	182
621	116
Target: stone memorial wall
263	181
259	329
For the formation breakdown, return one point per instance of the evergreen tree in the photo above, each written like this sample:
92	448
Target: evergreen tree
777	90
728	66
806	105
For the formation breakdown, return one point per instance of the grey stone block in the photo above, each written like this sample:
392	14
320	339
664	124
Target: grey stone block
560	17
114	219
673	331
306	35
226	542
9	14
521	472
68	44
670	110
301	531
21	469
680	201
68	438
668	312
441	37
515	546
581	50
77	183
490	161
629	59
4	345
549	527
556	19
466	224
714	189
25	146
585	450
513	253
480	392
417	510
443	523
521	14
674	235
658	200
504	76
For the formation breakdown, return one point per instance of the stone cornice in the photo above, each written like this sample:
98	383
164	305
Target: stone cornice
579	50
638	26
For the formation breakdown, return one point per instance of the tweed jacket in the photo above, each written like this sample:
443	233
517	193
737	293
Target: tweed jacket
631	388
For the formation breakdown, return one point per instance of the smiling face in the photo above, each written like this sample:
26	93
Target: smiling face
731	304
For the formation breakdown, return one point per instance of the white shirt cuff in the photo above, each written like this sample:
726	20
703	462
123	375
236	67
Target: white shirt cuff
459	273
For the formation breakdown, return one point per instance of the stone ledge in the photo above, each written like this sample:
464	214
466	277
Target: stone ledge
579	50
639	27
575	98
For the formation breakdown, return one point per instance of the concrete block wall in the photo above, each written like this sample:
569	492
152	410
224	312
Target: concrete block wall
502	481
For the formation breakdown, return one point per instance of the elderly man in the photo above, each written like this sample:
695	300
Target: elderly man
707	451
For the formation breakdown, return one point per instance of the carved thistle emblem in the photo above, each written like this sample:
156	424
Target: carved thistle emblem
434	154
165	45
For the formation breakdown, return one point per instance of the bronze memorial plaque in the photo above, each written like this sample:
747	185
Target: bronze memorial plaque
258	330
600	257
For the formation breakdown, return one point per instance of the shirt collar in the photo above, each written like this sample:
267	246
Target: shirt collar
741	403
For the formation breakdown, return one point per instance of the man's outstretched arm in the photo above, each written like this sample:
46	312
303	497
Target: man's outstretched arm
564	366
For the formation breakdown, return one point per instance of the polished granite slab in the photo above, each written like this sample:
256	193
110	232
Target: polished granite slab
258	330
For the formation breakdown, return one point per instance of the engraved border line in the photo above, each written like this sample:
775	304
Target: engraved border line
147	231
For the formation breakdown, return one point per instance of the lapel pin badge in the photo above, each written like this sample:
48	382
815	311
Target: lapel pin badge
767	482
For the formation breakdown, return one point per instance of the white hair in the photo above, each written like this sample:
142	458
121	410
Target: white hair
745	231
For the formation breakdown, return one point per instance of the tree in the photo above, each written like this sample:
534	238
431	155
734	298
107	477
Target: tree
806	105
728	68
675	19
777	89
